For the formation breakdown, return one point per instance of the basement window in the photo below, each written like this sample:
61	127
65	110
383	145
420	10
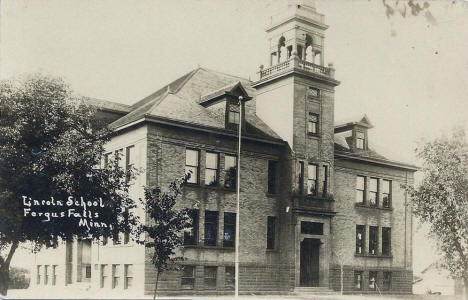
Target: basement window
358	280
188	278
372	280
387	281
210	277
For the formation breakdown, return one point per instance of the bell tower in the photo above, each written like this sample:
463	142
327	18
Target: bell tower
295	97
298	29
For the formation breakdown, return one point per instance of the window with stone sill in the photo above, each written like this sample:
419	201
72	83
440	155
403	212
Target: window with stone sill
230	170
386	193
128	276
360	189
373	239
313	124
211	228
191	235
115	276
229	229
211	170
360	240
312	179
373	192
386	241
192	163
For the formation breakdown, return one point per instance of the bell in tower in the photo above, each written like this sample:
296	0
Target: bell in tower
297	30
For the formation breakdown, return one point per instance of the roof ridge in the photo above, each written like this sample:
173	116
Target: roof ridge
190	75
146	99
223	73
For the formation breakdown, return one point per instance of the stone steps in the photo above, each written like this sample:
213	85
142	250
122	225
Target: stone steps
303	291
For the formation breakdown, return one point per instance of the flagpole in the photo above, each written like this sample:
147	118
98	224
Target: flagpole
238	198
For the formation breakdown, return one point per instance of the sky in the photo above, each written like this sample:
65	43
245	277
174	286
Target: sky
409	75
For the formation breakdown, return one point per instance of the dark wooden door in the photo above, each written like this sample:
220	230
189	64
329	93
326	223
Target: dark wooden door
310	250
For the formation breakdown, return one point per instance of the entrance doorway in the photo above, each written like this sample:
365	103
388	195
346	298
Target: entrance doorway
310	250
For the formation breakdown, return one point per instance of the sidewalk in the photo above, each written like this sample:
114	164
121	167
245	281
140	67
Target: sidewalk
26	294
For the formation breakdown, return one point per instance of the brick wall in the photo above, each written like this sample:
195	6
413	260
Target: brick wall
398	218
261	268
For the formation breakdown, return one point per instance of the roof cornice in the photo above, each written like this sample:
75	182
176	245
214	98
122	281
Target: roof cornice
181	124
377	161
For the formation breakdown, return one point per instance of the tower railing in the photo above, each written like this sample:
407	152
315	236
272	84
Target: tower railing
295	63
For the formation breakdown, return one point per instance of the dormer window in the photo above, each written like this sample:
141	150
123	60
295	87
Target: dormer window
233	117
360	140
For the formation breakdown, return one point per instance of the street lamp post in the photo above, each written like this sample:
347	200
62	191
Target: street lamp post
236	259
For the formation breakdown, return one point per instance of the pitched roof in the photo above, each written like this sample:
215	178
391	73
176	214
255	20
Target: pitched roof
180	101
107	105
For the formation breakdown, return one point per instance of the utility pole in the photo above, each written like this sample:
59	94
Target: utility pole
236	260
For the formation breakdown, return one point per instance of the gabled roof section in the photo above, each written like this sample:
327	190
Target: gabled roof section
348	123
229	89
171	87
181	101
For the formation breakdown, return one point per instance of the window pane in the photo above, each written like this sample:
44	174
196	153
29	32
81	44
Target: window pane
229	229
360	239
311	187
212	160
191	237
230	167
386	240
191	157
193	174
312	127
372	280
312	171
360	135
130	155
229	162
233	117
211	227
373	185
230	278
360	183
358	280
210	277
211	177
385	186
